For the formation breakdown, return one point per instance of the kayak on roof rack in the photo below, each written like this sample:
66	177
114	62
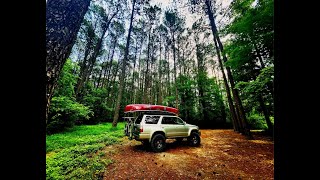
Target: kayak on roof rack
149	107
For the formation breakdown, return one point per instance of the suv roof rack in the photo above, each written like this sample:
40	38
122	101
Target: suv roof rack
156	112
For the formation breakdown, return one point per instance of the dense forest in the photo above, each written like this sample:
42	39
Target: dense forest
211	59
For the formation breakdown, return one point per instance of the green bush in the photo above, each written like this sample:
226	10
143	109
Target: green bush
257	120
64	112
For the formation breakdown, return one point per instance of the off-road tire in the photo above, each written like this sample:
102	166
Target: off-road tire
194	139
158	143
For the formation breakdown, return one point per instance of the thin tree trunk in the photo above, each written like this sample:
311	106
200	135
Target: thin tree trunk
93	58
98	47
139	74
175	70
112	82
234	117
123	71
266	115
160	73
100	75
106	68
132	97
83	67
110	63
168	87
235	93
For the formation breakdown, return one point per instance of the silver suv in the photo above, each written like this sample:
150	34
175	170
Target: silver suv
153	129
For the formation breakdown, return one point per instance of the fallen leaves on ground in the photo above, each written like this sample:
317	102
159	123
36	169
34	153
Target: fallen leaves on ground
223	154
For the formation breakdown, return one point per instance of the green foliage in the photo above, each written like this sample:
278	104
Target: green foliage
252	30
186	89
257	120
259	85
251	92
67	80
240	52
75	154
96	100
173	21
169	100
84	135
64	112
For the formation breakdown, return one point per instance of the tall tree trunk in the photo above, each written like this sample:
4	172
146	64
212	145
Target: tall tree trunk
175	70
112	82
160	76
266	115
201	84
223	108
110	64
139	79
234	117
168	87
103	68
146	76
83	67
61	34
234	91
132	94
123	70
98	46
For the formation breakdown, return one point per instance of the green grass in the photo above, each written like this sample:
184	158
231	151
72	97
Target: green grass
75	154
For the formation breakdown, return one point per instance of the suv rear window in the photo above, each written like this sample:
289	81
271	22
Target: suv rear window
139	118
152	119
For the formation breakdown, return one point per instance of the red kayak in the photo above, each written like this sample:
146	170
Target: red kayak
149	107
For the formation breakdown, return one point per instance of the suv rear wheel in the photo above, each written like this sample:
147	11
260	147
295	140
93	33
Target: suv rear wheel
158	143
194	139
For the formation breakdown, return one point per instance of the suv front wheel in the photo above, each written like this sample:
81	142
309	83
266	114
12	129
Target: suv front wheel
158	143
194	139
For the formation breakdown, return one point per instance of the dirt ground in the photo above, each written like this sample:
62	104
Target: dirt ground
223	154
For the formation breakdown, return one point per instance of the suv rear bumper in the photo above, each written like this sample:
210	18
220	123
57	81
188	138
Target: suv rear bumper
141	136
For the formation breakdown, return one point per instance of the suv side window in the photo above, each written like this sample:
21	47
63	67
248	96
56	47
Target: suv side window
178	121
152	119
168	120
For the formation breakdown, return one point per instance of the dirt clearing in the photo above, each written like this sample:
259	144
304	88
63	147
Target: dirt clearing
223	154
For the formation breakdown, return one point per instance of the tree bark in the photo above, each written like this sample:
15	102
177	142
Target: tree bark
123	70
235	120
132	94
146	76
266	115
175	70
235	92
98	47
63	20
160	76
